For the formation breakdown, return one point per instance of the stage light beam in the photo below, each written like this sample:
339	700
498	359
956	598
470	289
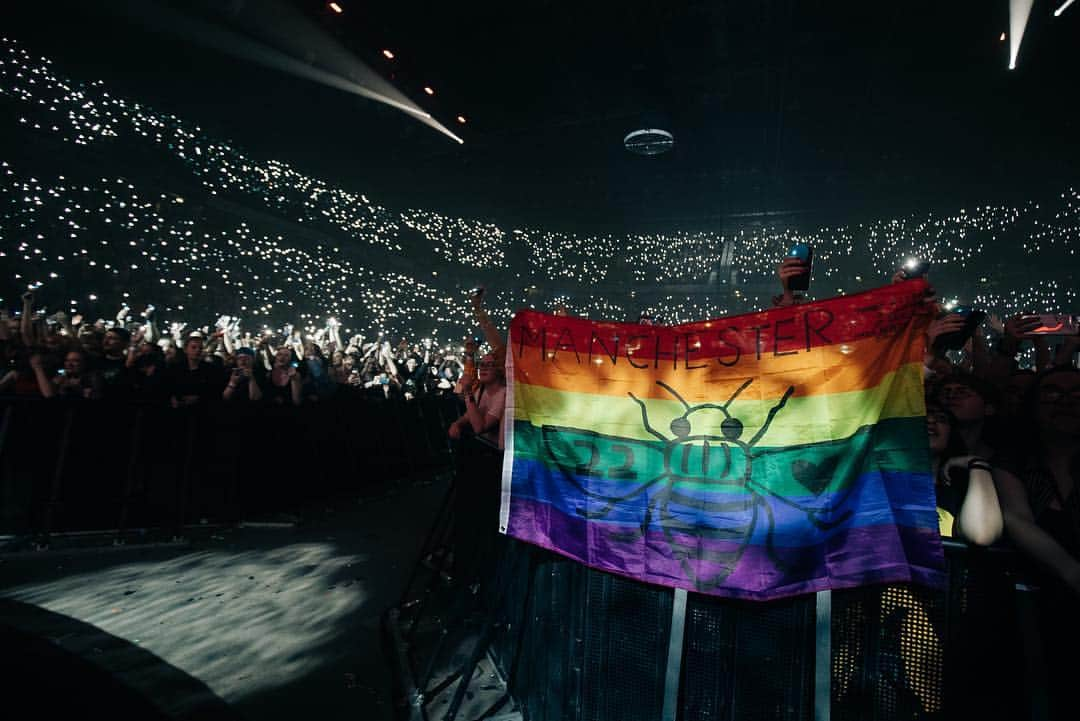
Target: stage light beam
340	68
1019	12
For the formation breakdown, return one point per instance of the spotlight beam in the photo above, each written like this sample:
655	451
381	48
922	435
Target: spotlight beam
1019	12
237	45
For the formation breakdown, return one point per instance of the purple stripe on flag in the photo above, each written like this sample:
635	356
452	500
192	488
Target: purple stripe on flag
734	567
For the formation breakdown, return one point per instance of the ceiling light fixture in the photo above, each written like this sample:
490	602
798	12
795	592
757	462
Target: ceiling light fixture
428	90
649	141
388	55
1063	8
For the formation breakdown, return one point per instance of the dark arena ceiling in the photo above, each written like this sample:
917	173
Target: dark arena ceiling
812	111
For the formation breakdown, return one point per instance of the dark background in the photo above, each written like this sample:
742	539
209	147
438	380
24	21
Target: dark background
822	111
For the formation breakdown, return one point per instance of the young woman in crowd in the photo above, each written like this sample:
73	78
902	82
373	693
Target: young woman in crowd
1041	504
71	381
284	384
967	503
484	405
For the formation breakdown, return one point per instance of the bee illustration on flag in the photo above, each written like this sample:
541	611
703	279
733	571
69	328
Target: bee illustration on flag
693	454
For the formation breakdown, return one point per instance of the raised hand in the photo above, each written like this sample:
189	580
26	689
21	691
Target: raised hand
790	268
951	323
1018	325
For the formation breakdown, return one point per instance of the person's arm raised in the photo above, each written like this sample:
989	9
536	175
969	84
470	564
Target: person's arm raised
48	390
26	322
491	331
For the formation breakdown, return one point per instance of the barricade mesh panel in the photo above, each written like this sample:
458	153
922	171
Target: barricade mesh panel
888	652
220	462
984	666
516	604
548	677
748	660
626	640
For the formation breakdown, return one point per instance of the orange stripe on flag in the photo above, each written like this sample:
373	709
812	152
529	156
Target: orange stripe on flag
824	370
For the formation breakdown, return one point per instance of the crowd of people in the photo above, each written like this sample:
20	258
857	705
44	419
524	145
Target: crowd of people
132	359
1004	436
1005	452
1004	440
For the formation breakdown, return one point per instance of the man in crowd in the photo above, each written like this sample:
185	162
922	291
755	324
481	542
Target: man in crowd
112	366
193	380
243	386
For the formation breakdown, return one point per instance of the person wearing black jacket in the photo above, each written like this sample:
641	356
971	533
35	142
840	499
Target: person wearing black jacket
193	380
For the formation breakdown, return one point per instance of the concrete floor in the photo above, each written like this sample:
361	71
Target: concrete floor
276	623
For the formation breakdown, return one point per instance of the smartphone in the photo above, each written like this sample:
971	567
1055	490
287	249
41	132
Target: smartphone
805	253
1055	325
476	292
915	268
384	380
60	372
294	364
957	339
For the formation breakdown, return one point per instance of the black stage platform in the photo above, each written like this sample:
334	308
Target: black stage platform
250	622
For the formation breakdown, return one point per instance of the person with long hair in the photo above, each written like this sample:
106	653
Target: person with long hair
967	503
1038	487
484	403
1041	504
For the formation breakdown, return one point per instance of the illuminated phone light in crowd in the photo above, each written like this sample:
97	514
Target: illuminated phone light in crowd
950	240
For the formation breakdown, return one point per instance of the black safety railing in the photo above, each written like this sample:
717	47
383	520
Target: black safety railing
572	643
74	466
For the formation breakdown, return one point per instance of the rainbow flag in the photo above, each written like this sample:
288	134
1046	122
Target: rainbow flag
756	456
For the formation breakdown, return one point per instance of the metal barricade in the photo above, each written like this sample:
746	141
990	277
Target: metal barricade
572	643
69	467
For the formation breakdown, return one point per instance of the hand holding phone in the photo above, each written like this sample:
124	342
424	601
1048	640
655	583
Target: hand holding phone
957	332
1050	324
796	267
915	268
